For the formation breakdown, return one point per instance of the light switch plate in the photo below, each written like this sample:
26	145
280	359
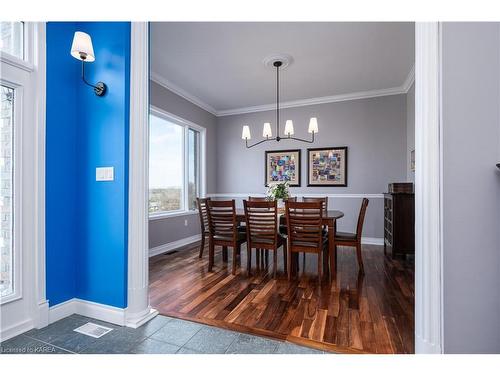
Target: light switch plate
104	173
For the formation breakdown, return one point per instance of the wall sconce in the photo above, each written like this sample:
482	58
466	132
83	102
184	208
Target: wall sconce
82	49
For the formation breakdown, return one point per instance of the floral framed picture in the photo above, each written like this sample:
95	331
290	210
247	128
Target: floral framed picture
282	166
327	166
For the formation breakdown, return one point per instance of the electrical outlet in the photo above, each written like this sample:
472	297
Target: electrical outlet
185	222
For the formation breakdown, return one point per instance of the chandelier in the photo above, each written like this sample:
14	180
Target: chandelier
267	132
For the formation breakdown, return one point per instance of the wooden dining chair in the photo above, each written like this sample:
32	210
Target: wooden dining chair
354	239
203	212
262	231
305	231
323	200
257	199
223	230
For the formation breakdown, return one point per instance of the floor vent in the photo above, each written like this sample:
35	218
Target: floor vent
93	330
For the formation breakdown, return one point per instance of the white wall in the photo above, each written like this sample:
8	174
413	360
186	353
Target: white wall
471	191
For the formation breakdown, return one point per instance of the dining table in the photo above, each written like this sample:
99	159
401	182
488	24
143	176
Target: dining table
329	220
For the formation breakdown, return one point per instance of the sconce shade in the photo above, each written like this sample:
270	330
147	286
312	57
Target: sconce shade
245	134
267	130
82	49
313	125
288	127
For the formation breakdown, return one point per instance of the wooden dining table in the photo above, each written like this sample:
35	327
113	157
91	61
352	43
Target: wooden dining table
329	220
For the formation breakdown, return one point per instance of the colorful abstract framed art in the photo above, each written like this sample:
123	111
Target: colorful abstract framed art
281	166
327	166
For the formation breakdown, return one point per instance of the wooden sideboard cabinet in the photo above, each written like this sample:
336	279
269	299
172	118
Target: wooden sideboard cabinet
399	224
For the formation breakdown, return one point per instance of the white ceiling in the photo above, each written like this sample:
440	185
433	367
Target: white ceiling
220	64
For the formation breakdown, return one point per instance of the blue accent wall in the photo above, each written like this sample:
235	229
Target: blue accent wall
93	251
61	164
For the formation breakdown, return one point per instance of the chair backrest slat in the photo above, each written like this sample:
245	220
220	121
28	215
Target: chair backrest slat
262	222
203	212
323	200
361	218
304	221
257	199
222	219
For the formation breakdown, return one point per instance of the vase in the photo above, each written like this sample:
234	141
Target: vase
280	203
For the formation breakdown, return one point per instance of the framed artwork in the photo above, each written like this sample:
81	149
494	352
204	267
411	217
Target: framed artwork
327	166
282	166
412	160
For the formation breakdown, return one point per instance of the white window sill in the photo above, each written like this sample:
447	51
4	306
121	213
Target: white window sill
166	215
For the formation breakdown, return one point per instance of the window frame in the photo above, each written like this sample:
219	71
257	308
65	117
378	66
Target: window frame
186	125
29	43
15	83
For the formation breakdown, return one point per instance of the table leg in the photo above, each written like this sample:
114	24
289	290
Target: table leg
331	249
224	254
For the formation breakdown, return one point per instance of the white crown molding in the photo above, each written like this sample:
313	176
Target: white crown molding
314	101
399	90
410	79
155	77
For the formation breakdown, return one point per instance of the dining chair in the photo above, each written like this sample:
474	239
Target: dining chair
223	230
203	212
323	200
262	231
257	199
305	231
354	239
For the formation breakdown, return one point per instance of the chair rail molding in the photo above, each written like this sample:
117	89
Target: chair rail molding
428	190
138	310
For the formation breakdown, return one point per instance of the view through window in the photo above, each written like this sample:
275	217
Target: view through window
12	38
6	171
174	166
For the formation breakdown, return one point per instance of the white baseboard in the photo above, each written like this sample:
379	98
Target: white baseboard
43	315
89	309
62	310
16	330
372	241
173	245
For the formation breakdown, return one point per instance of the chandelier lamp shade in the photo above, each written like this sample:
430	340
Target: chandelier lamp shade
267	133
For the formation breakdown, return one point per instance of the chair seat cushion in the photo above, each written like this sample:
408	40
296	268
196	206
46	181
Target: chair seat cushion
345	236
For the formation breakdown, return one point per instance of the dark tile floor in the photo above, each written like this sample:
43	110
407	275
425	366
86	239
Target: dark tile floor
162	335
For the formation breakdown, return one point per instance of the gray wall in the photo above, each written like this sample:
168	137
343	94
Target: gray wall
410	131
471	193
162	231
374	130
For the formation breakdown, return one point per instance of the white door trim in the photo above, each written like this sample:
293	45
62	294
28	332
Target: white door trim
428	190
42	307
31	310
138	309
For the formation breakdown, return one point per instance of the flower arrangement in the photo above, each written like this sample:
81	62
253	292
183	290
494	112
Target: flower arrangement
278	190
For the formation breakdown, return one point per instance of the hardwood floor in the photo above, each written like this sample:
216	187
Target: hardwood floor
353	314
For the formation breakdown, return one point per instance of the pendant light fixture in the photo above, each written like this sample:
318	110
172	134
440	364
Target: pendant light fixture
289	131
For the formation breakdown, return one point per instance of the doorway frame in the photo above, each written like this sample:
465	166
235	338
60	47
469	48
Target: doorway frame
428	186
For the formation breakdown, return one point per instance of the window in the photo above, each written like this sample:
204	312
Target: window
6	207
12	38
174	164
